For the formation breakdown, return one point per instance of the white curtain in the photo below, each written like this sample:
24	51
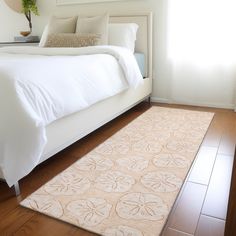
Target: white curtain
202	51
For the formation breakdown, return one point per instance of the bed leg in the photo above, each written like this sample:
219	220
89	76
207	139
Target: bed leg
17	189
149	100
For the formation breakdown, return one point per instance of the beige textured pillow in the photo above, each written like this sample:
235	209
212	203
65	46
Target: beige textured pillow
58	25
94	25
72	40
62	25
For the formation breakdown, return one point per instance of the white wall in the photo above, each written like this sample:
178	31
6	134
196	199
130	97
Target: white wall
14	22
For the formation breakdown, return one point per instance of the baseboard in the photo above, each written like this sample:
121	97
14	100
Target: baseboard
161	100
191	103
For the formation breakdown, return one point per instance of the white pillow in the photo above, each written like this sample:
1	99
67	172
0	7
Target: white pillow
44	37
94	25
58	25
122	34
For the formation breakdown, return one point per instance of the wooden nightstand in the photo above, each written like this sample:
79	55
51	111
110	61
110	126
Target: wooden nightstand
8	44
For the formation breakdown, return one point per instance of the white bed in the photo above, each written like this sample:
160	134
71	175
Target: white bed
75	126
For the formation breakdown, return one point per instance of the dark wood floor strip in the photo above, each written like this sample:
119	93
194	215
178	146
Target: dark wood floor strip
10	225
230	228
31	227
172	232
209	226
228	139
216	201
189	204
203	166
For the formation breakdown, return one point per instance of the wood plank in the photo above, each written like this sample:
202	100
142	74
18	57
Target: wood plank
216	201
203	166
49	227
172	232
9	224
8	204
228	139
230	228
215	131
8	201
186	214
209	226
227	144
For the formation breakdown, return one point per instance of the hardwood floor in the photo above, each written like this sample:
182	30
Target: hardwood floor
199	210
230	229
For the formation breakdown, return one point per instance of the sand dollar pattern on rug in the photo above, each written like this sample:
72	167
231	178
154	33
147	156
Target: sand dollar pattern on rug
45	204
133	163
147	146
141	206
170	160
122	230
111	147
161	181
127	185
180	145
68	182
161	138
91	211
114	181
94	162
187	134
132	135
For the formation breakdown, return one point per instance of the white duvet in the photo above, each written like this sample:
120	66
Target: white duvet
40	85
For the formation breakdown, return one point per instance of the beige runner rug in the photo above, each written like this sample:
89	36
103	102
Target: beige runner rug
128	184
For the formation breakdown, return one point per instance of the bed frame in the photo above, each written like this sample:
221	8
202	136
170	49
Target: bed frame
78	125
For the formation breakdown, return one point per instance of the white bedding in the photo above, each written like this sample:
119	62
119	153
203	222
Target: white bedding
40	85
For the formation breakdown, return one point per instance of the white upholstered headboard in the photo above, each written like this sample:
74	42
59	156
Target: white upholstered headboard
144	35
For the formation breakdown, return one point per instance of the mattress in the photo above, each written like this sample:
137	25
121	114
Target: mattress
140	58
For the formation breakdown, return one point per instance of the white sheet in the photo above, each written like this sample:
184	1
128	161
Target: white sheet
40	85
